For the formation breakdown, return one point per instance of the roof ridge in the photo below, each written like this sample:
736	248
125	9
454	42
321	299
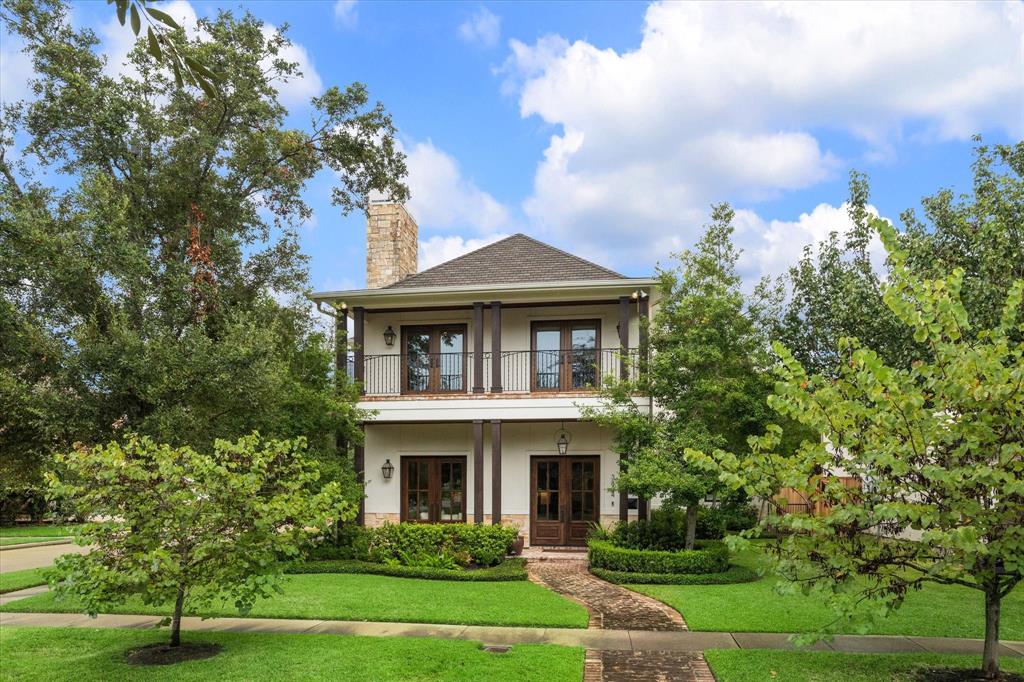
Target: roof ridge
509	252
566	253
457	258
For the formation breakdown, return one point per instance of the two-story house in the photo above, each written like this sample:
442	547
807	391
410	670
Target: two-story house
475	371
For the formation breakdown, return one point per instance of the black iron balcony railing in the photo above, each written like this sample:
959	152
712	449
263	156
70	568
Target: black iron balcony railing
524	371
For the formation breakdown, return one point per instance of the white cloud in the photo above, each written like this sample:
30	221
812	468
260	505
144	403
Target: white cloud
439	249
771	247
483	27
724	101
119	40
443	198
345	13
15	69
295	92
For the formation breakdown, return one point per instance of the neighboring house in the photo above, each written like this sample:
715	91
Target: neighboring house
476	369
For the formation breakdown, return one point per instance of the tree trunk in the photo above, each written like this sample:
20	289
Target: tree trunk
176	619
990	659
691	524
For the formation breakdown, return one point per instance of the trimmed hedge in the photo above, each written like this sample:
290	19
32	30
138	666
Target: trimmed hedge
711	557
508	570
734	574
436	546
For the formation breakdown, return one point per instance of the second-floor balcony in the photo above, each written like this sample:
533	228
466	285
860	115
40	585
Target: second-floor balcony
541	372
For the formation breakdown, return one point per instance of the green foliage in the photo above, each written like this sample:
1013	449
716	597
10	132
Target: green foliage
939	446
189	528
509	569
709	557
836	293
441	546
706	374
715	522
158	287
732	575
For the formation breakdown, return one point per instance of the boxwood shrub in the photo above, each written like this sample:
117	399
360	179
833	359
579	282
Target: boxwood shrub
440	546
706	557
508	570
734	574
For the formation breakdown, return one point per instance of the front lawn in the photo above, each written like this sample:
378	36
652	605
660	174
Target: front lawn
19	580
37	531
95	654
753	665
18	535
935	610
381	598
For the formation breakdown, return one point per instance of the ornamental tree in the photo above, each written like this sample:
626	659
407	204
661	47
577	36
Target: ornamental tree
705	375
176	526
938	445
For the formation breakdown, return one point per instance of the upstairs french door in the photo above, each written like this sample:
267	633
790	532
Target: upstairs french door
565	355
433	489
434	359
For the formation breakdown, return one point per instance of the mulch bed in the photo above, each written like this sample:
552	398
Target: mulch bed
165	654
961	675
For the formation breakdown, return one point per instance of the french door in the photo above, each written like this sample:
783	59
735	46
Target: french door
434	359
565	355
433	489
564	499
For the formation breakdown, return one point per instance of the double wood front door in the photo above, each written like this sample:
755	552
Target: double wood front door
564	499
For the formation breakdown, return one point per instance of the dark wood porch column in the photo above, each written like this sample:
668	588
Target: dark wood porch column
359	464
641	508
358	332
478	471
496	347
623	337
478	347
496	472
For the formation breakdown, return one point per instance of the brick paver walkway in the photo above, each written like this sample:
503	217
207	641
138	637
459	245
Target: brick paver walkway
615	608
611	607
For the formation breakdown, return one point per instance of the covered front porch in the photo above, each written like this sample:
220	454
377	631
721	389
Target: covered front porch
494	471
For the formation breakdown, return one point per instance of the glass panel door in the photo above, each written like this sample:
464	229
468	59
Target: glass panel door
547	490
583	354
418	362
451	366
583	505
452	482
547	359
417	490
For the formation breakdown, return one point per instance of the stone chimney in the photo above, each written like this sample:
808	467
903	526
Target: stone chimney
392	242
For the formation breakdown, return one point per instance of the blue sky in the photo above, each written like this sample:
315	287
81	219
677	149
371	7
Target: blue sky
609	128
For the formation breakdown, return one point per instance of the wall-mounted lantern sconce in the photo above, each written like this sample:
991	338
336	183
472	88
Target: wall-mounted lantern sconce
387	469
562	439
389	336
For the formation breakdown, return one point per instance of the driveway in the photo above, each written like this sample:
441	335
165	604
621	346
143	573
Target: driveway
34	557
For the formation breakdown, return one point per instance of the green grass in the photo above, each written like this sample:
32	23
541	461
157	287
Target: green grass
26	540
93	654
380	598
47	531
19	580
737	665
935	610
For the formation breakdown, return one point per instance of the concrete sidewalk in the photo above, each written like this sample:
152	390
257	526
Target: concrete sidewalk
609	640
35	556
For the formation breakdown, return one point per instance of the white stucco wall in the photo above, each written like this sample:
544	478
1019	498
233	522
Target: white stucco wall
520	441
